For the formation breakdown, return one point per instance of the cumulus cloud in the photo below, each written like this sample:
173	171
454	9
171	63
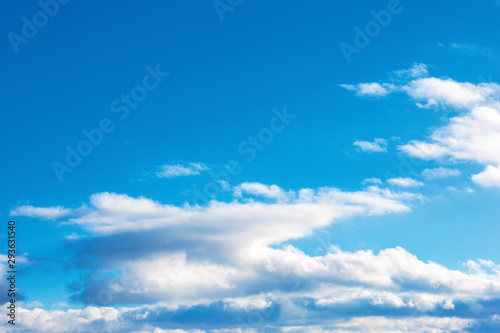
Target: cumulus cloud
377	146
404	182
440	172
176	170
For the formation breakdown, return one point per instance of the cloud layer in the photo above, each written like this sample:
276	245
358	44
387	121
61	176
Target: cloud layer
228	267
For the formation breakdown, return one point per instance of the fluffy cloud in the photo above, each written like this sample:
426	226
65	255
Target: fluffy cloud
171	171
489	177
378	145
471	137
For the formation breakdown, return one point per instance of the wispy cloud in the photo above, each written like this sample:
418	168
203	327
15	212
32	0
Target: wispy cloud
440	172
370	89
371	181
177	170
377	146
404	182
47	213
470	49
416	71
268	191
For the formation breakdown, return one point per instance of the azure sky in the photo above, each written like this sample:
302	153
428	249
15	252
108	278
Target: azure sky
234	166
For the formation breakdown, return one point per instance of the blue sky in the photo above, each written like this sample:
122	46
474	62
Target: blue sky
235	166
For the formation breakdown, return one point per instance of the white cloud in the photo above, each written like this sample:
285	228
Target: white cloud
436	91
47	213
378	145
170	171
471	137
404	182
490	177
440	172
110	212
